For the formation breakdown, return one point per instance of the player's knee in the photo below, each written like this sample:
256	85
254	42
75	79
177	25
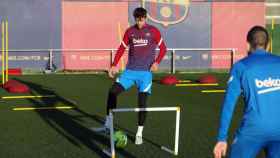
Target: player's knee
116	89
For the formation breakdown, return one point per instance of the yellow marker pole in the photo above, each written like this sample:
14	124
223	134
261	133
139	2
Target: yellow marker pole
120	39
28	97
196	84
213	91
119	32
42	108
273	24
184	81
7	51
3	50
272	31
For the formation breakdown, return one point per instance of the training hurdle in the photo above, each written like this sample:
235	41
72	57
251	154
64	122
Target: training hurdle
28	97
184	81
112	152
30	108
43	108
213	91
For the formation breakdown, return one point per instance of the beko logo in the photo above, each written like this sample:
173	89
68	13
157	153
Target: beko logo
270	84
140	42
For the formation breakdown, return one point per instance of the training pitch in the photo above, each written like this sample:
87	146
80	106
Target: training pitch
57	133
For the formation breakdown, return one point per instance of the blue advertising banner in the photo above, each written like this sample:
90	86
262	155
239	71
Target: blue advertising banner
33	25
29	60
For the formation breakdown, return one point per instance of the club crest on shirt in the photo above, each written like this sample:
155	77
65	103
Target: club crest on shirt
166	12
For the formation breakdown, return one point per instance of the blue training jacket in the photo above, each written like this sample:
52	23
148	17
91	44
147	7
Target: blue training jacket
257	77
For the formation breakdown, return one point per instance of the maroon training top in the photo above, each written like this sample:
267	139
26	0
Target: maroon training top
142	44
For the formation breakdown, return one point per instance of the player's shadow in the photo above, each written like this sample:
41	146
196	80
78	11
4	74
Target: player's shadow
69	124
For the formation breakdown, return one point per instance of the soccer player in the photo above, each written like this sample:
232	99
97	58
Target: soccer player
142	39
257	77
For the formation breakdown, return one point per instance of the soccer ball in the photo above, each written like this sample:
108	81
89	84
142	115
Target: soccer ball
120	139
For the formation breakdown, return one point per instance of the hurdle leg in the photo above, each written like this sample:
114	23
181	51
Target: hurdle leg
167	150
176	147
113	154
108	153
177	130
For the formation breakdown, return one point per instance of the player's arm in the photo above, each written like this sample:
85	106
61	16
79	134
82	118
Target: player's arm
124	44
160	42
121	49
232	94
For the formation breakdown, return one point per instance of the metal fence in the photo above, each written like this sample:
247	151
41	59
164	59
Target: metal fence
171	51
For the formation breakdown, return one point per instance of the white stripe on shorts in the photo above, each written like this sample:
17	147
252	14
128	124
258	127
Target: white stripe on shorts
148	88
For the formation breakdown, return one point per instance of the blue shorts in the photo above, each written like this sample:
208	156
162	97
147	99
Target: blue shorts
142	79
249	147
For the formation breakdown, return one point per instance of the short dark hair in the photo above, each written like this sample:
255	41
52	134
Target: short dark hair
140	13
258	37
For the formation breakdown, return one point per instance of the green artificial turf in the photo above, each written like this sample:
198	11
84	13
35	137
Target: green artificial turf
66	133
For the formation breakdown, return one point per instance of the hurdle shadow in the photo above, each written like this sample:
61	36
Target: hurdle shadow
69	125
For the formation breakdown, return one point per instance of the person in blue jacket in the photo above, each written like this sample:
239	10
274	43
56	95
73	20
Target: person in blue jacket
257	77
